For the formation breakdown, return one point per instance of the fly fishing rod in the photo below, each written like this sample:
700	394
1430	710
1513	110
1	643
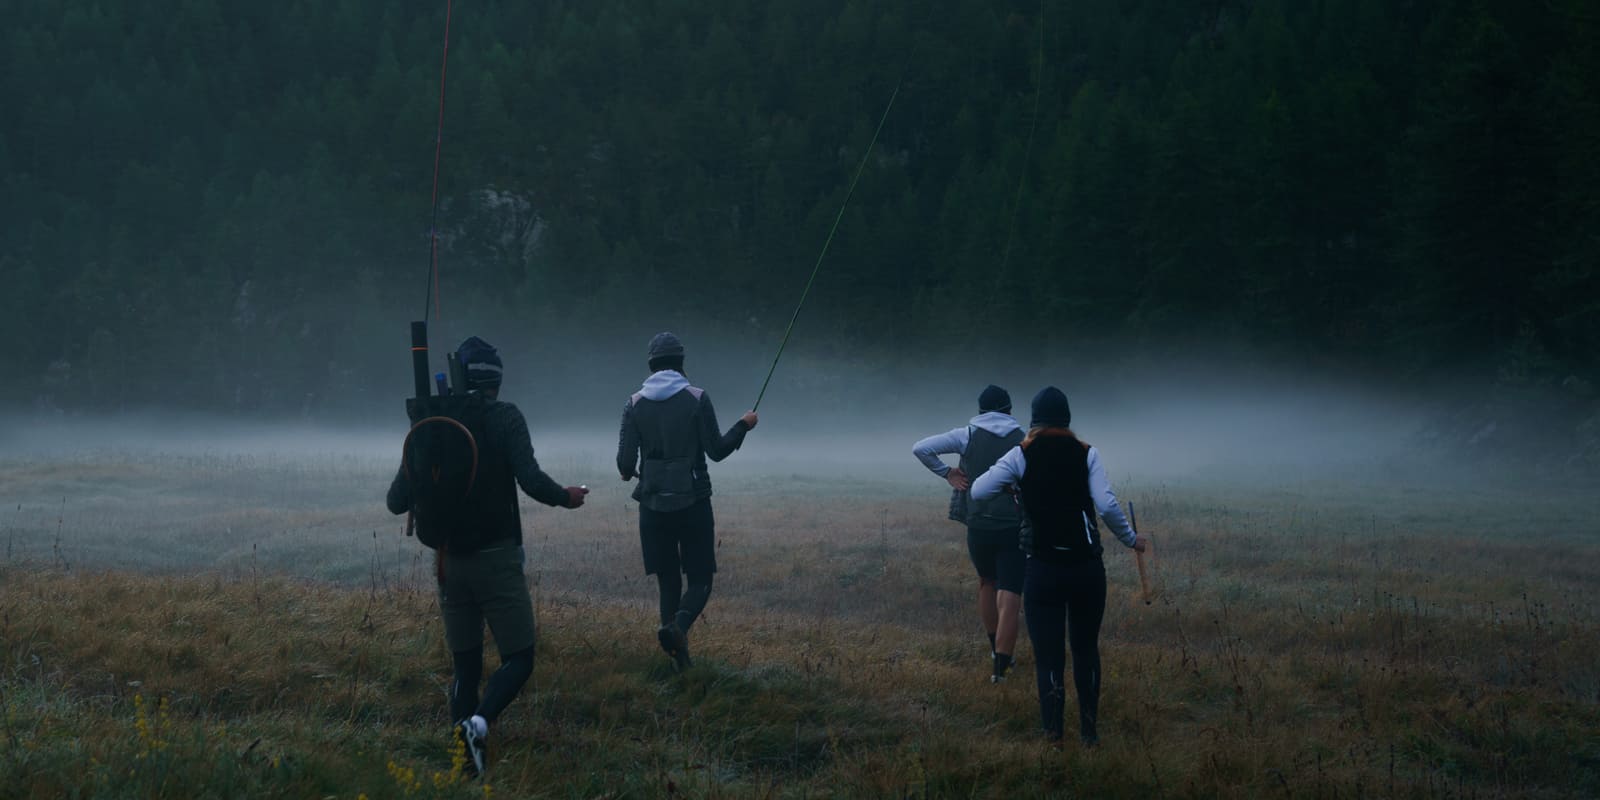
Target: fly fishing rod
420	406
419	329
433	212
825	243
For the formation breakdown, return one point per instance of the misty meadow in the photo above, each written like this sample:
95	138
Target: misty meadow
1321	281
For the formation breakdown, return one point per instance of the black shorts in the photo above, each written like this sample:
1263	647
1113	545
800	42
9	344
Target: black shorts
675	541
997	557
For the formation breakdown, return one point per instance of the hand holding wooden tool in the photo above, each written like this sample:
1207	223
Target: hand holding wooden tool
1144	578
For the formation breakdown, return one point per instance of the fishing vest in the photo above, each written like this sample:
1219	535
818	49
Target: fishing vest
672	462
1059	518
983	450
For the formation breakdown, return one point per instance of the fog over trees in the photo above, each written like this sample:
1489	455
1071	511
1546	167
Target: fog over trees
225	207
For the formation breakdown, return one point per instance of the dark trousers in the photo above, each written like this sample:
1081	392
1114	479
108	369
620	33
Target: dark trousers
686	541
1065	603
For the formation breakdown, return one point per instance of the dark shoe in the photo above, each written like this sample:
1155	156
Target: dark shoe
675	644
1089	740
473	733
1002	667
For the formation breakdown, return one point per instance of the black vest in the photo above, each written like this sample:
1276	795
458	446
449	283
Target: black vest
998	513
1060	523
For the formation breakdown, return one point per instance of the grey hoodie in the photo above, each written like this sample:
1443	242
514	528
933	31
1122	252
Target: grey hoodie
954	441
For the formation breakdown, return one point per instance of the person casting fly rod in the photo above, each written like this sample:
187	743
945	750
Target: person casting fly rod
669	429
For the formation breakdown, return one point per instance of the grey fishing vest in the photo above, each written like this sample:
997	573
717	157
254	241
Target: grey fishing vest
998	513
672	469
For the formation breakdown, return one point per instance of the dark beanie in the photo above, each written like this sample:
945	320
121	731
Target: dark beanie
1050	409
994	398
665	345
481	362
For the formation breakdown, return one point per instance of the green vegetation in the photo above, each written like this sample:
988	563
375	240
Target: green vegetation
1308	639
229	205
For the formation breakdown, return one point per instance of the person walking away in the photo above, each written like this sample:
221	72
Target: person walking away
1063	488
479	556
669	429
992	524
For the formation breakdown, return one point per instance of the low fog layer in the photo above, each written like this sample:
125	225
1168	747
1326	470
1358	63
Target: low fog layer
182	490
1144	424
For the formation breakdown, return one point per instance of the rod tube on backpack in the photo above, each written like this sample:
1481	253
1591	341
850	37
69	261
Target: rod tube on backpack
419	357
458	373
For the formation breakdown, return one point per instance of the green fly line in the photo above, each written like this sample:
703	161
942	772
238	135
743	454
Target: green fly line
828	241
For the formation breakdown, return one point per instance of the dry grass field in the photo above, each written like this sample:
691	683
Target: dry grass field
208	624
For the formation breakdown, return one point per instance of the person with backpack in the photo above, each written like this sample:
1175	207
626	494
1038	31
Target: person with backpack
669	429
992	524
1062	487
459	479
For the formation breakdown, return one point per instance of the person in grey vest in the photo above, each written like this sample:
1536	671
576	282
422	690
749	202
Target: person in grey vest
669	429
1063	489
992	524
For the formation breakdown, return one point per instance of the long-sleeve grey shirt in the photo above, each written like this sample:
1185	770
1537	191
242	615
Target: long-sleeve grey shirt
954	441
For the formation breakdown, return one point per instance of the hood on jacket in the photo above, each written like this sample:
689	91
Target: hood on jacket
664	384
998	423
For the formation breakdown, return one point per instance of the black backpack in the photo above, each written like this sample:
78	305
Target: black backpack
440	462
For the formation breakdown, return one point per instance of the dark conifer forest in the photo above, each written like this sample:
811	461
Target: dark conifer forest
222	201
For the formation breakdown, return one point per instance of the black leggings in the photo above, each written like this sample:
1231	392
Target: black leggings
515	669
679	606
1065	602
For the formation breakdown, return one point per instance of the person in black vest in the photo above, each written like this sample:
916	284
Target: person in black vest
992	524
1063	488
487	584
668	430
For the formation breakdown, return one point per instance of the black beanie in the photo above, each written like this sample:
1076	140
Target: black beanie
1050	409
994	398
481	362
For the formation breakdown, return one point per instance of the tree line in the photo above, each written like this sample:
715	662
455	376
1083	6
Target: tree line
229	201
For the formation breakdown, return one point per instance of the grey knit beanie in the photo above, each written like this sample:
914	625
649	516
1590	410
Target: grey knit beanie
665	345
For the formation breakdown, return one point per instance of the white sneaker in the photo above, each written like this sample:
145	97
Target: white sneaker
474	734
